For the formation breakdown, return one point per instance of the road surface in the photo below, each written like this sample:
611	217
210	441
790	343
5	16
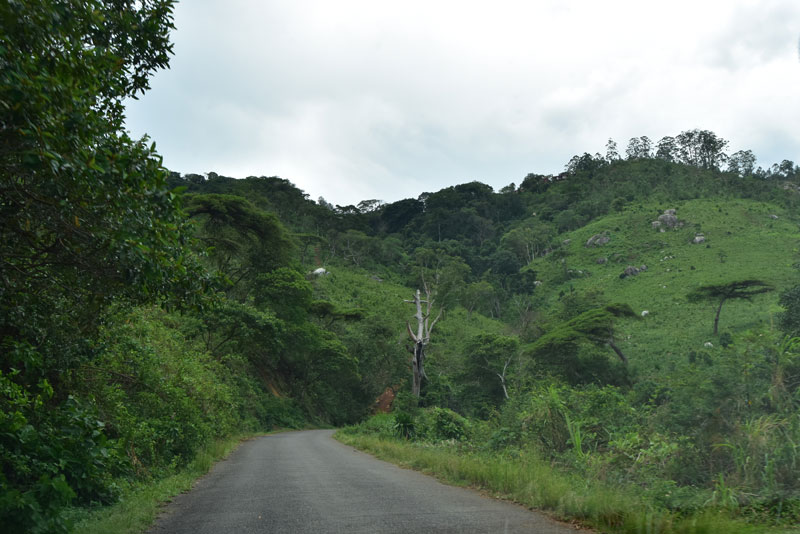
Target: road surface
304	482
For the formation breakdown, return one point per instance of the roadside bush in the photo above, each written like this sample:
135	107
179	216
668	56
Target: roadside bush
439	424
404	401
381	424
765	457
404	425
52	454
160	398
503	438
539	419
549	416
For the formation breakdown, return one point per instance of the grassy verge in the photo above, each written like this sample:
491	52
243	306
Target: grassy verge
528	480
139	504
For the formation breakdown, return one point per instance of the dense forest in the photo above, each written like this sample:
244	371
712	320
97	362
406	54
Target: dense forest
632	320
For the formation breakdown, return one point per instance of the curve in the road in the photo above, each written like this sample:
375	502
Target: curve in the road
304	482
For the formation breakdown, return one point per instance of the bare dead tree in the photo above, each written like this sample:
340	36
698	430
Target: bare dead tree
422	336
501	376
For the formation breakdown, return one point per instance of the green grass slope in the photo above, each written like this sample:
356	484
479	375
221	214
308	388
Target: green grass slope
743	240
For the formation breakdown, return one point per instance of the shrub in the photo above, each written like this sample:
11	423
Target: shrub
382	424
503	438
161	398
52	454
404	425
726	339
439	424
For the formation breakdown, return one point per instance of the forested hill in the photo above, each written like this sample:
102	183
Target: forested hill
490	230
646	303
643	232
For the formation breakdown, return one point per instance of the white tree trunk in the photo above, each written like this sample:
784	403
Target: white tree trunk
421	338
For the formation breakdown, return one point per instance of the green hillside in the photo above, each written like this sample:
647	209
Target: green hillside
695	421
742	241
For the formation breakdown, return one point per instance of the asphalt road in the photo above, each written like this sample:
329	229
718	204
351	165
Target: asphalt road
304	482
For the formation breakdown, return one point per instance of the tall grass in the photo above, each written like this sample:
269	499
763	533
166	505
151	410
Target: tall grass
530	481
140	503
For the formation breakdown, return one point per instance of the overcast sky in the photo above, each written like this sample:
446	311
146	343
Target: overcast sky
354	100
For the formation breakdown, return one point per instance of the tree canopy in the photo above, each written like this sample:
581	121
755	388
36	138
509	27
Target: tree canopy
87	223
86	213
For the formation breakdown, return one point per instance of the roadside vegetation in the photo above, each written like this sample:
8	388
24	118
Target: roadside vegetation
600	456
524	477
140	502
616	343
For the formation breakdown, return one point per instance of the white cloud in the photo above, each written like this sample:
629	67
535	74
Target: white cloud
363	99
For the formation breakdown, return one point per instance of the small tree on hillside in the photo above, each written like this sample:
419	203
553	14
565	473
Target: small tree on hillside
557	348
738	289
597	326
530	240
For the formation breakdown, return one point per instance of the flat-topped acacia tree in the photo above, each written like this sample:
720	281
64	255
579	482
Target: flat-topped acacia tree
738	289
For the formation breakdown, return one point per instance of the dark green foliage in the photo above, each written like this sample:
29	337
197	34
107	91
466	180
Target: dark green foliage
437	424
164	396
740	289
267	315
535	183
50	457
270	194
285	291
504	263
323	374
381	424
701	148
559	350
398	215
503	438
738	409
87	215
244	240
328	312
86	220
574	303
567	220
529	240
382	360
404	425
231	327
725	339
490	367
585	164
447	425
